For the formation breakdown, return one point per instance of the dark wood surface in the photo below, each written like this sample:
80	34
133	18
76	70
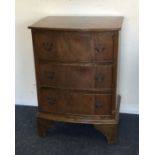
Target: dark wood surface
93	23
74	47
76	76
76	71
109	130
68	102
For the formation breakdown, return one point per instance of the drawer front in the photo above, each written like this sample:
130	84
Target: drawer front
57	101
103	46
73	46
76	76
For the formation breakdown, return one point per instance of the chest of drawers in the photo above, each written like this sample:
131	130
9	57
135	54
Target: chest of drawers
76	71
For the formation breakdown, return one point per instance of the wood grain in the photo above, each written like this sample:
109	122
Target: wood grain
68	102
86	76
74	46
69	23
76	72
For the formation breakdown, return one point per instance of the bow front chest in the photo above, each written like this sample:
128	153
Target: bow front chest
76	71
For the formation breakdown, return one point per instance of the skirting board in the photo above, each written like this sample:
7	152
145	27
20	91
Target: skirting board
129	109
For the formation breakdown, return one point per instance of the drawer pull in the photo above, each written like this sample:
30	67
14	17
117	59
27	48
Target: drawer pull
48	46
51	101
99	78
98	104
99	48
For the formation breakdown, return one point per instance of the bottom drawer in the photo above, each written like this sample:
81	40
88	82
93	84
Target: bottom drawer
59	101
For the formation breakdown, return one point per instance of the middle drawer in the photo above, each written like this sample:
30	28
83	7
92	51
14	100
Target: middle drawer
76	76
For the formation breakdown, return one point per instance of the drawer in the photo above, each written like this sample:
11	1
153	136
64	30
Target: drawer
73	46
58	101
76	76
103	46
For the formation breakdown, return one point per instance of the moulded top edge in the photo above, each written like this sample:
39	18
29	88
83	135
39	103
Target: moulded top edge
80	23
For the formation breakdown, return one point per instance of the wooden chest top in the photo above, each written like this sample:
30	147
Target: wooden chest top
86	23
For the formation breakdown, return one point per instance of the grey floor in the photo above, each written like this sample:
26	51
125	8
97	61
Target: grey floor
73	139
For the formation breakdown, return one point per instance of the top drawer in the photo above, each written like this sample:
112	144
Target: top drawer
73	46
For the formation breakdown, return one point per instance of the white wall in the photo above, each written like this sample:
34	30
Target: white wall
29	11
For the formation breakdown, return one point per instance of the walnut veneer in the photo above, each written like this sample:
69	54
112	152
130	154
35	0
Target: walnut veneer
76	71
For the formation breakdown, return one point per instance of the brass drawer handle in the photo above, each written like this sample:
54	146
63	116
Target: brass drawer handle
99	48
48	46
51	101
98	104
